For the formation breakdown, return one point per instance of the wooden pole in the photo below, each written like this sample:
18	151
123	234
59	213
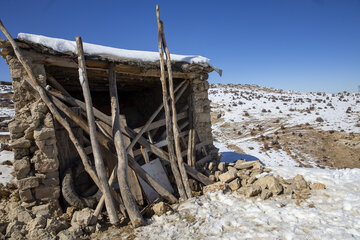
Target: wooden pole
122	172
99	163
169	132
174	116
189	150
42	92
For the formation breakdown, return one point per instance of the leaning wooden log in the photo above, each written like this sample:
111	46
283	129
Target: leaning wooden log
175	127
169	132
53	82
99	163
122	172
109	145
42	92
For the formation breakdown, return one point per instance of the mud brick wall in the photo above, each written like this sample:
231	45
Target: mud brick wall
33	139
201	115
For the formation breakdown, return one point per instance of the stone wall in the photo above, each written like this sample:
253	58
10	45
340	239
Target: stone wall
201	105
33	140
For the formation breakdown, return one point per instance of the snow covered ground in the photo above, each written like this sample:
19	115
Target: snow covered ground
333	213
5	169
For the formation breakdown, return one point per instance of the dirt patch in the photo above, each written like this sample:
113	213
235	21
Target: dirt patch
327	148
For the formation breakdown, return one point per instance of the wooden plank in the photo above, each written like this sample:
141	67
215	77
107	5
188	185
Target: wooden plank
204	160
156	170
132	178
162	122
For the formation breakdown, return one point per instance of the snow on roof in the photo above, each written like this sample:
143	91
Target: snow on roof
66	46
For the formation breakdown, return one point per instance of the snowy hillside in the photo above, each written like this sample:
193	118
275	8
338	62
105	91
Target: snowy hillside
287	128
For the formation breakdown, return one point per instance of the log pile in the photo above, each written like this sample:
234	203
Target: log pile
175	154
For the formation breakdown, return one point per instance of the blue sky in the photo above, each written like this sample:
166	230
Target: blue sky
304	45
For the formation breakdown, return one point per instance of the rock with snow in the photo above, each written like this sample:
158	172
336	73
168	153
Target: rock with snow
227	176
160	208
218	186
318	186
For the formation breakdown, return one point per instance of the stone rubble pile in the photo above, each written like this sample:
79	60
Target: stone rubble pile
18	221
253	180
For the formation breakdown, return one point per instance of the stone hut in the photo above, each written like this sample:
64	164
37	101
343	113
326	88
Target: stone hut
43	151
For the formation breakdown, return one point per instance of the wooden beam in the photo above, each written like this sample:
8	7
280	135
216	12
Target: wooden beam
160	123
122	168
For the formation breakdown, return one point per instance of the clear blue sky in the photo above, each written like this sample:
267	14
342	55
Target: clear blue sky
305	45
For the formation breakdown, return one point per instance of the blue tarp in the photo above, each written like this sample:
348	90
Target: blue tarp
230	157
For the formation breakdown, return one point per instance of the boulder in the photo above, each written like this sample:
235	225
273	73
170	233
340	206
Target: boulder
27	183
265	194
21	167
13	227
221	166
217	174
227	176
318	186
24	216
47	192
44	133
300	182
271	183
65	235
232	169
244	165
160	208
82	218
51	208
36	223
252	179
235	184
55	226
17	126
20	143
218	186
252	191
47	165
40	233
